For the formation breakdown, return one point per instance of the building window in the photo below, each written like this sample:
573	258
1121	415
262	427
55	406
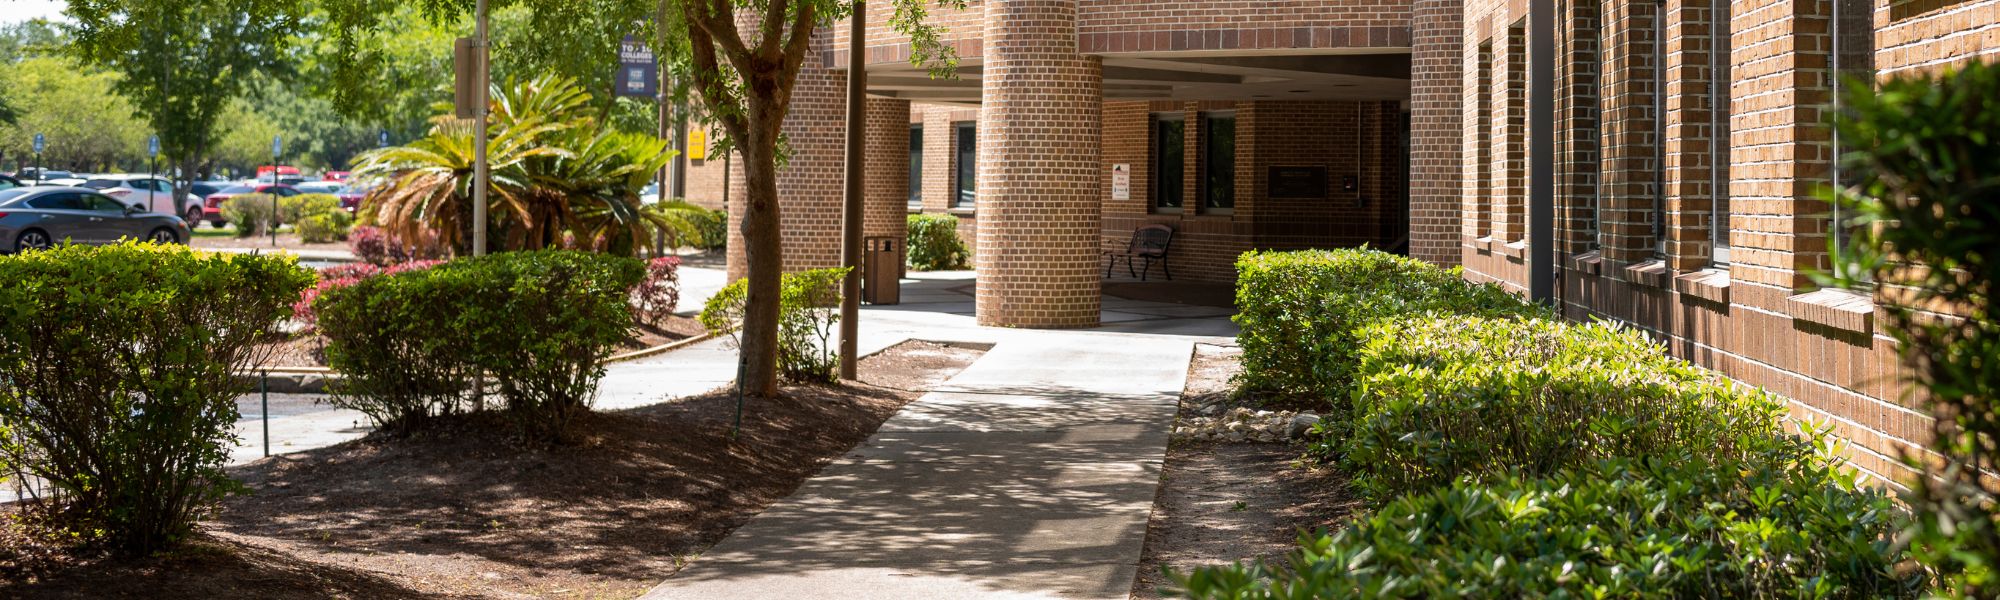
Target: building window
1853	64
1511	225
916	166
968	164
1659	151
1169	162
1718	138
1482	158
1218	163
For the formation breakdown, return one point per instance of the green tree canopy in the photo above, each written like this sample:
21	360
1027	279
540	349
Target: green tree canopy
88	126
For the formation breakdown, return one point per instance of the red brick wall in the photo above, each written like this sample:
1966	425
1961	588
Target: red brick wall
810	185
1436	68
1758	319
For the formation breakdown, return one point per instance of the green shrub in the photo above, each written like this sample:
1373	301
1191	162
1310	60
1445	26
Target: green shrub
118	379
296	208
325	228
1299	313
539	324
1440	398
1923	166
250	213
934	244
1791	522
691	225
809	315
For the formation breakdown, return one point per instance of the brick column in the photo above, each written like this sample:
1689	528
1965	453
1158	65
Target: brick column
1038	259
810	184
1780	151
1436	101
887	200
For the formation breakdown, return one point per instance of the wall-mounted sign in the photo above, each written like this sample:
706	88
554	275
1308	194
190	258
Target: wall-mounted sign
697	145
1121	182
1298	182
638	75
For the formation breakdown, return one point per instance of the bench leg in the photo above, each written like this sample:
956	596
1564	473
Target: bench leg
1148	270
1110	260
1164	266
1128	266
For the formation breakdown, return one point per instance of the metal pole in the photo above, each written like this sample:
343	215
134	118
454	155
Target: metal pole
1541	150
479	166
274	202
264	386
850	214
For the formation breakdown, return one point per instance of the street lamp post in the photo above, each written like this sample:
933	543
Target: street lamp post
479	166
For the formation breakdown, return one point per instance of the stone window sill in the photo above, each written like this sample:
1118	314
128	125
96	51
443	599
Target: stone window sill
1483	244
963	211
917	209
1514	249
1707	284
1839	309
1652	273
1589	262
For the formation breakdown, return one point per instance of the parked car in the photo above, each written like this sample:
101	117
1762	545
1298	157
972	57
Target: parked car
8	182
337	176
351	197
35	218
211	206
42	174
317	187
152	194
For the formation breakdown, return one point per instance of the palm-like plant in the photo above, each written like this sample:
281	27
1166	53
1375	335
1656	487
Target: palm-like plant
553	171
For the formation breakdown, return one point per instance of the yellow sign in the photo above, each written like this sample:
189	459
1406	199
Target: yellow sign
697	145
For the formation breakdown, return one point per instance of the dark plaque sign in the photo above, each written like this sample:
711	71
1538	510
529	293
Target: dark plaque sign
1298	182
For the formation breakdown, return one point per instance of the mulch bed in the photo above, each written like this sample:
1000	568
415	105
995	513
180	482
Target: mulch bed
309	350
1222	502
465	512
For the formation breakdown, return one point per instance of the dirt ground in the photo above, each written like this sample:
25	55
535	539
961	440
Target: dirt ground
308	350
1223	502
465	513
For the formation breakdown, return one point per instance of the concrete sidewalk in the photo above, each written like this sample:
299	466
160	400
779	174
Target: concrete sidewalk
1031	474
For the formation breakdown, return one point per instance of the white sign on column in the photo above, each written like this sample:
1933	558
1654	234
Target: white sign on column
1121	182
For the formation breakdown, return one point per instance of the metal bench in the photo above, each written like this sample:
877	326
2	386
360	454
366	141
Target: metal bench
1149	242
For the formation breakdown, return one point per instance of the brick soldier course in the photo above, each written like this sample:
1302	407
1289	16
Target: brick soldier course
1690	151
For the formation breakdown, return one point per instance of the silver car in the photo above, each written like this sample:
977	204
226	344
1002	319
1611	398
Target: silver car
35	218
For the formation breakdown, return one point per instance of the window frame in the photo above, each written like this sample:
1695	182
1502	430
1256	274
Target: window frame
1156	195
965	176
1206	136
916	174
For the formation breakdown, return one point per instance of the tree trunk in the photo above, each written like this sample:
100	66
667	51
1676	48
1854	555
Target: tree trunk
763	252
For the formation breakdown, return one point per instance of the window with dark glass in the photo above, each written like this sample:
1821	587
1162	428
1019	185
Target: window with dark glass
916	166
1853	64
1718	137
1218	165
968	164
1169	162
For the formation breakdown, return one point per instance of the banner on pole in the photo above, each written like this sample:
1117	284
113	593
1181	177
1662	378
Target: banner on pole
638	75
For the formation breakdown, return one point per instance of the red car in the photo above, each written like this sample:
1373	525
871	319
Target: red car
350	197
211	208
340	176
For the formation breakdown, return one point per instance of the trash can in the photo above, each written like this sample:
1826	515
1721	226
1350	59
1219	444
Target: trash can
882	270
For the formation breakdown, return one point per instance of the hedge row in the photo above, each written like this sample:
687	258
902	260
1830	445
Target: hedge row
934	244
808	318
118	380
538	324
1301	314
1513	454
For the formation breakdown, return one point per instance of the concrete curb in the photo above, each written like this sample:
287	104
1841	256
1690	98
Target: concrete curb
313	380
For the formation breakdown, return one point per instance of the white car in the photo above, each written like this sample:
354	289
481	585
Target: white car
145	192
319	187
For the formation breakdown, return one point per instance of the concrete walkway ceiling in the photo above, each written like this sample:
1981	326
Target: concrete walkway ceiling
1347	76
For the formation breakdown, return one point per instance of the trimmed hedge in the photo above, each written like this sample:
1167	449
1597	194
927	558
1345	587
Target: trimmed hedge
934	244
1300	314
808	317
539	324
118	380
1512	454
1790	522
1440	397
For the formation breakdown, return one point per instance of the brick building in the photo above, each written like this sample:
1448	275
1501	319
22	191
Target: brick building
1690	146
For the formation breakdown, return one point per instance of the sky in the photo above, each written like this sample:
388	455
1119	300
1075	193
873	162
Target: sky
15	11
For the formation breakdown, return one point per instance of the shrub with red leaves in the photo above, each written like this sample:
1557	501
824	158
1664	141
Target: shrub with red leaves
656	296
343	276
